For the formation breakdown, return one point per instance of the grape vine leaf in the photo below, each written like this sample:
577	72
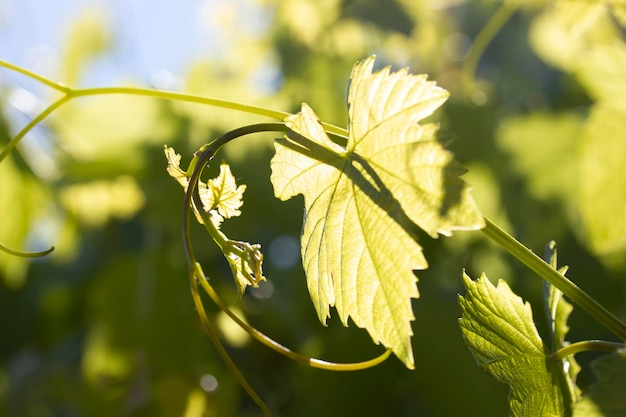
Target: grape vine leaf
173	167
221	195
362	201
499	330
606	397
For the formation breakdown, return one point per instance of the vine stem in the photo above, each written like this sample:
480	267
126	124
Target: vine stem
71	93
40	117
544	270
196	275
272	344
195	271
484	37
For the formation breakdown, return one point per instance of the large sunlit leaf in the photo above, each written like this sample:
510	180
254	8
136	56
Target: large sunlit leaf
362	201
499	330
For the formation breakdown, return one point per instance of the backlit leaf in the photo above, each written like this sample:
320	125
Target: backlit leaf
362	201
222	194
173	167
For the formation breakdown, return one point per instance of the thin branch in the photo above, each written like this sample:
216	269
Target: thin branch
545	271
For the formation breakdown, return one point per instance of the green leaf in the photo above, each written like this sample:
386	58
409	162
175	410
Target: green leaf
606	397
363	200
499	329
173	167
221	199
222	194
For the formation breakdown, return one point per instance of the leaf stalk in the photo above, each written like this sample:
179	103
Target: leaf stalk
544	270
586	346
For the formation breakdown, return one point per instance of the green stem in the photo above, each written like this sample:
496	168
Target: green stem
71	93
567	287
40	117
52	84
195	276
586	346
188	98
484	37
191	98
274	345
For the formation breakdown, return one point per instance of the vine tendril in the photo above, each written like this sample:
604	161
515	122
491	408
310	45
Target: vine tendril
25	254
196	275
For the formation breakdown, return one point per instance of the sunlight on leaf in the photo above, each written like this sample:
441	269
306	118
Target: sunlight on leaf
173	167
363	201
499	329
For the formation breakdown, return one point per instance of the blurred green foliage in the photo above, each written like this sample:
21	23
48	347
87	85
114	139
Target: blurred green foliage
105	325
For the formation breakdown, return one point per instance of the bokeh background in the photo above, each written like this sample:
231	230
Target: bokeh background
105	326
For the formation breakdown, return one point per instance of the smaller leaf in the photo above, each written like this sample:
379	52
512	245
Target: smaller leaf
222	194
606	397
173	167
499	329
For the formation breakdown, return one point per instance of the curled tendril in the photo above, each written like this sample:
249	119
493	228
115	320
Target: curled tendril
26	254
197	276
